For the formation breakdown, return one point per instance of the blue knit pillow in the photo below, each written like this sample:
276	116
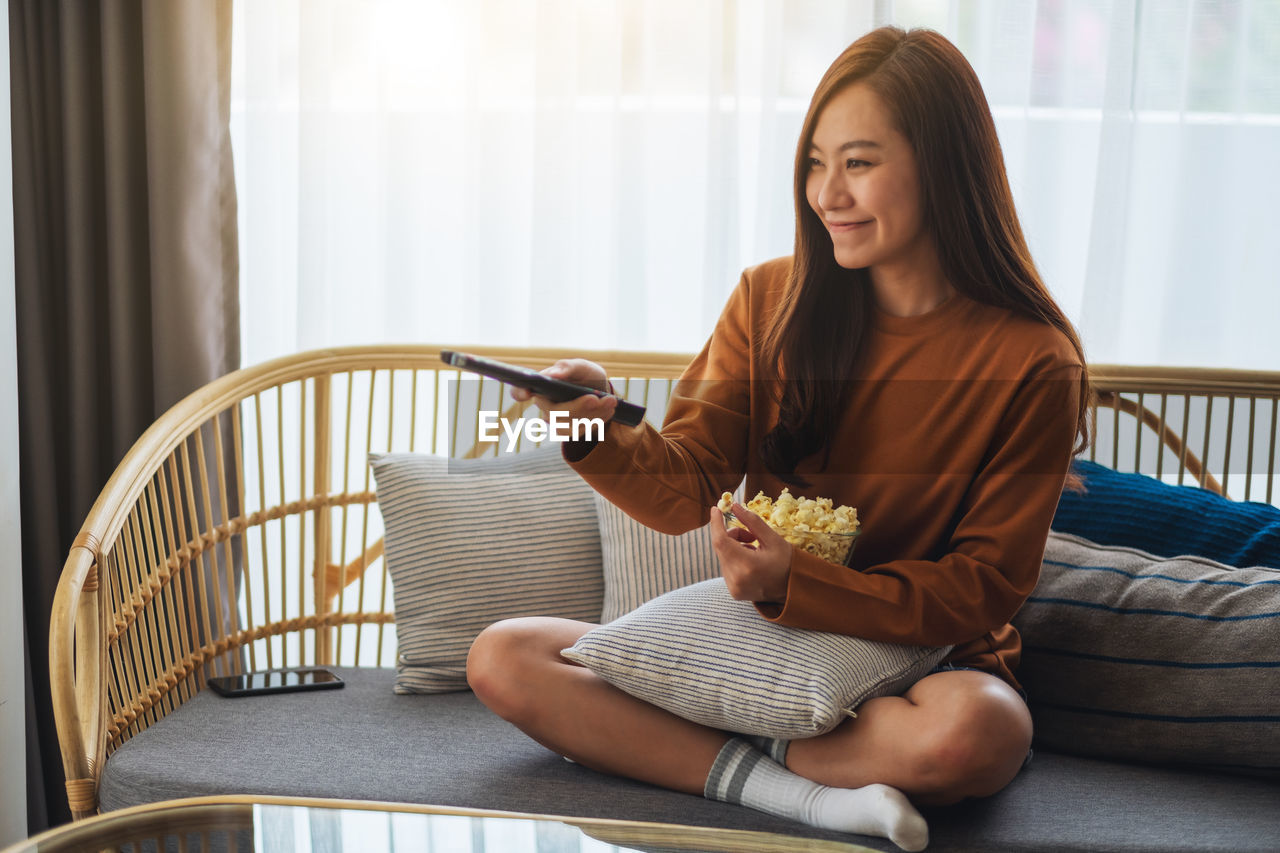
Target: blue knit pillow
1136	511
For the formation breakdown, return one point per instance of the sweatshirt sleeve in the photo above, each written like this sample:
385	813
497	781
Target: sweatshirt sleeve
669	479
994	555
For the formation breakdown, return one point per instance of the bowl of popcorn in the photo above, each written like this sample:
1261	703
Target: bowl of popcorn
812	525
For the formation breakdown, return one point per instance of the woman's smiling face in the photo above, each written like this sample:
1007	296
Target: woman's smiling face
863	182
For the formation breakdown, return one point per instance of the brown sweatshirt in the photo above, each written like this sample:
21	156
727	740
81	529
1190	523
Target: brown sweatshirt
954	447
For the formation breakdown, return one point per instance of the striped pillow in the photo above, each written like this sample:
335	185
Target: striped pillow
641	564
706	657
470	542
1131	656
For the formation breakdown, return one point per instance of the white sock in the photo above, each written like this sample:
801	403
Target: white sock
744	775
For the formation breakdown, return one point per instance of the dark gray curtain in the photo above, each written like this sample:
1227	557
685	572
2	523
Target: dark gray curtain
126	262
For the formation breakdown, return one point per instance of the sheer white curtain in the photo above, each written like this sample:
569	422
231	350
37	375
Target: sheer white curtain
597	173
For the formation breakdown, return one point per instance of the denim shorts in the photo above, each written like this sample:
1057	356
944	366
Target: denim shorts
950	667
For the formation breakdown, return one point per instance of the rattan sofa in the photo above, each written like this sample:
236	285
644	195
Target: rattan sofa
241	532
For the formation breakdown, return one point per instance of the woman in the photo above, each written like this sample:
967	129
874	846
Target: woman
907	360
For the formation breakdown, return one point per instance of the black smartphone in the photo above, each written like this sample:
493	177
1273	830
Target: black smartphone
555	390
275	681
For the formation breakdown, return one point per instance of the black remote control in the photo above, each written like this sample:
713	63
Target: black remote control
555	390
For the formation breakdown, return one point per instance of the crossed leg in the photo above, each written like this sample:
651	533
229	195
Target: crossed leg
952	735
515	668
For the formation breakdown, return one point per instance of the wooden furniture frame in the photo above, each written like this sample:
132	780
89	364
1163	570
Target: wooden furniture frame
239	532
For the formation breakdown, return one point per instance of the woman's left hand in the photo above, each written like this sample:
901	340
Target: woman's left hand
755	562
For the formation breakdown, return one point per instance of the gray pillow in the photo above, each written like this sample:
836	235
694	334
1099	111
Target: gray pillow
1127	655
470	542
706	657
641	564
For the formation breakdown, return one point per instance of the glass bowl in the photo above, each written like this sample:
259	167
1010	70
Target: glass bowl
832	547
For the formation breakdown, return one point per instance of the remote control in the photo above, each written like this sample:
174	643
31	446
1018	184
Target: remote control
555	390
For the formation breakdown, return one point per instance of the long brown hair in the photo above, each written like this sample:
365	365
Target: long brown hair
937	103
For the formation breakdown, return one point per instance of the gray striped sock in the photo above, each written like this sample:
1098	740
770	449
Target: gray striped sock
730	771
744	775
774	747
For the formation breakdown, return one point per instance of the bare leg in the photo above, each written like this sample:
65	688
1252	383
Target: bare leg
952	735
515	668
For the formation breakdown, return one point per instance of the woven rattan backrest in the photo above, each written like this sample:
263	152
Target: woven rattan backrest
318	591
1215	428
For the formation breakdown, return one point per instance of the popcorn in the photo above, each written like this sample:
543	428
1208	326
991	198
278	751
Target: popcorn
811	525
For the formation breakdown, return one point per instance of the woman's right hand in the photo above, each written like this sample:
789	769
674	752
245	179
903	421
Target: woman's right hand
579	371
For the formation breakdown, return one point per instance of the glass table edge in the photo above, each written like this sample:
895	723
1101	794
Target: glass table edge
189	811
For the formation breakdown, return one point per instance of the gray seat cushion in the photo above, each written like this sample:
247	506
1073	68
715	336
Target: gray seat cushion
364	742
